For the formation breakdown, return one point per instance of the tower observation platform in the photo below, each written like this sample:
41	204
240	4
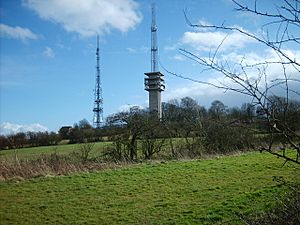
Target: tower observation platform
154	84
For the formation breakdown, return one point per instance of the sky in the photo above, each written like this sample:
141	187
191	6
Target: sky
47	55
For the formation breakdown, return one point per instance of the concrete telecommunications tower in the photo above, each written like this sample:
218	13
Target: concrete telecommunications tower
154	81
98	102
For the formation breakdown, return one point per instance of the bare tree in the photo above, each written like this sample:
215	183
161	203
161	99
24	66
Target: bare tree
152	136
85	150
252	78
131	123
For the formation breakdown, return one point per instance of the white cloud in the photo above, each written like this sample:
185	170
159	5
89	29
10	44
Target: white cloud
194	90
142	49
11	128
203	22
172	47
131	50
17	32
126	108
271	60
209	40
273	71
178	57
48	52
88	17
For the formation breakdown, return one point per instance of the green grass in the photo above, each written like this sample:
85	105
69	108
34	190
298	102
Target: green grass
34	152
188	192
64	149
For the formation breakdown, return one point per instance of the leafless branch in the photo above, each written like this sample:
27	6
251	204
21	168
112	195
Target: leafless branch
259	88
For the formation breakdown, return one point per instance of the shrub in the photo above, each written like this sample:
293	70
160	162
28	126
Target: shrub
223	138
84	151
118	151
151	146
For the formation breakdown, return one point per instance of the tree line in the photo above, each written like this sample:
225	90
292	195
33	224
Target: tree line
216	129
78	133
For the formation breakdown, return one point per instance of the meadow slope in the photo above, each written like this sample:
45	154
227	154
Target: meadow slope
35	152
211	191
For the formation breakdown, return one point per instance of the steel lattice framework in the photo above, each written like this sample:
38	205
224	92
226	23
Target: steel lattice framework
98	102
154	48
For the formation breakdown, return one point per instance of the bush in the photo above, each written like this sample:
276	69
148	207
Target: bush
223	138
119	150
151	146
189	147
84	151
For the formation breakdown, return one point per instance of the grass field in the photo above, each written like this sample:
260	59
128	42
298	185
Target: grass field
34	152
211	191
64	149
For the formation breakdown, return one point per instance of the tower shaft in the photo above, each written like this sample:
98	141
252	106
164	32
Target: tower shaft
154	81
98	102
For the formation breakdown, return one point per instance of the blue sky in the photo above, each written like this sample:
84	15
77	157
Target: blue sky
48	60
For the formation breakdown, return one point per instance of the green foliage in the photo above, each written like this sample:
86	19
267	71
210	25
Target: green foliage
223	138
215	191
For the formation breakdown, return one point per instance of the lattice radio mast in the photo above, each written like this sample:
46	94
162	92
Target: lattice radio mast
154	48
98	102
